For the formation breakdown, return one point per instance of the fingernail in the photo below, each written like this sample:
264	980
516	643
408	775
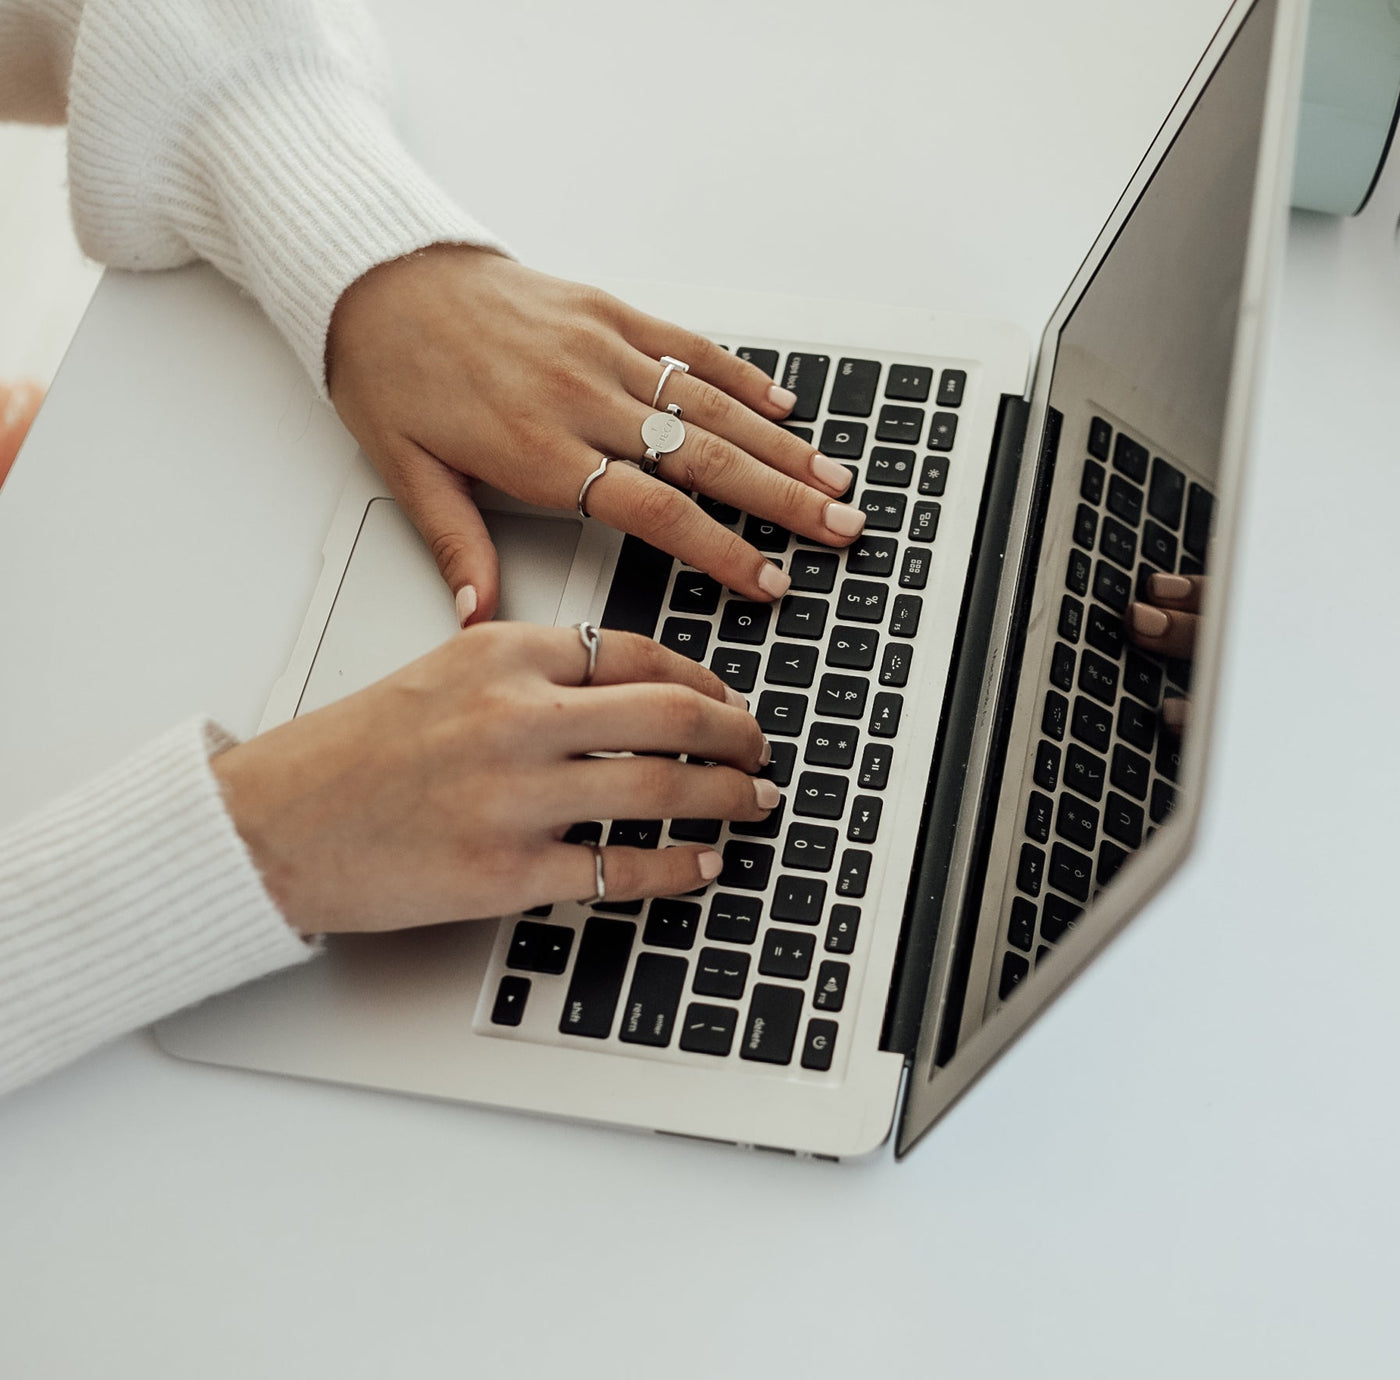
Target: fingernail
732	696
466	604
711	865
782	397
766	755
831	474
1174	712
772	581
1147	621
1168	586
766	793
844	520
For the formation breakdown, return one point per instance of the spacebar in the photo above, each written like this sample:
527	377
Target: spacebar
638	588
597	981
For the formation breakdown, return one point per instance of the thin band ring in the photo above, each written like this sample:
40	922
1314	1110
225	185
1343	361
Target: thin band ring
671	366
589	635
589	482
600	890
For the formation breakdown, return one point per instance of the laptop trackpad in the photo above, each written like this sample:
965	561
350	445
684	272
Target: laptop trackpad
392	605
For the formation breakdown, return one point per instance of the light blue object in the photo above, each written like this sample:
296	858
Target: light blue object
1351	91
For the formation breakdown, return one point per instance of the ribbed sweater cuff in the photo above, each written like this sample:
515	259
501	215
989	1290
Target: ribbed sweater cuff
126	900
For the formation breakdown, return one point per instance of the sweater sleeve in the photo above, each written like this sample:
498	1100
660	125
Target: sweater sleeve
124	901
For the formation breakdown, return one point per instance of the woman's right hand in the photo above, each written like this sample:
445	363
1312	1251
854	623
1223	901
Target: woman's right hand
443	792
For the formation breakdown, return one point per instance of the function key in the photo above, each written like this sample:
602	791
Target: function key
719	973
909	382
829	993
904	617
1071	618
1199	505
950	387
767	360
791	664
1040	810
853	874
1091	483
1100	435
805	375
733	919
900	425
924	524
814	571
1077	572
737	668
812	847
688	636
766	536
708	1029
884	512
864	823
744	621
1020	930
852	649
853	389
819	1045
771	1029
1055	715
658	980
913	574
799	900
841	929
1130	458
890	467
1165	493
1030	871
1014	969
941	431
746	865
1047	766
538	948
831	745
1062	666
511	996
933	479
843	440
894	665
672	924
873	555
884	716
861	601
695	593
875	765
1086	526
787	954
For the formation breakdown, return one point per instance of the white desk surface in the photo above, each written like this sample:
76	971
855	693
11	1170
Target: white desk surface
1187	1168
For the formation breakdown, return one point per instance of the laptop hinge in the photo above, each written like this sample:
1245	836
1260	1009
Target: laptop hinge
924	904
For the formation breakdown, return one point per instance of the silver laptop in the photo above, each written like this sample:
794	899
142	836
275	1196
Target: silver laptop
978	786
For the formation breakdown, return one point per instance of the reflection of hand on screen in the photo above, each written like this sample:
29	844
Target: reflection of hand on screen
1166	624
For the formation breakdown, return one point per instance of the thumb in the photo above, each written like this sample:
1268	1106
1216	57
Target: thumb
438	500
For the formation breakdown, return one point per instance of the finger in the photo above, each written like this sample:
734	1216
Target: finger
716	411
626	498
627	659
1165	631
658	788
737	377
1183	592
628	873
437	500
1176	711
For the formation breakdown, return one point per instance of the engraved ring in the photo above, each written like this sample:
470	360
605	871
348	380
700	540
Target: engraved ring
671	366
662	432
589	635
600	890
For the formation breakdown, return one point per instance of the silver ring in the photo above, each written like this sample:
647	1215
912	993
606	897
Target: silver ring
671	366
600	890
662	432
588	483
589	635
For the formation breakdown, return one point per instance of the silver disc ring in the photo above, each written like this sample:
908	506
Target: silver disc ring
662	432
592	639
669	366
600	889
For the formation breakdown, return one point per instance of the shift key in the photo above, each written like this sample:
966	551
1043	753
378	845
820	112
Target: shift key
805	375
596	983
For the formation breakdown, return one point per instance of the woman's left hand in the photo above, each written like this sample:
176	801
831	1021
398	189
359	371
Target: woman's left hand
456	364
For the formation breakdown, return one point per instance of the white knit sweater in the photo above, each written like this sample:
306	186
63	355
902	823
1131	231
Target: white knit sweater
250	133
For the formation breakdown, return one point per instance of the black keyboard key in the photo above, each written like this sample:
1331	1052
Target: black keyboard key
854	873
942	429
884	512
805	375
1020	928
672	924
1086	526
1054	716
923	526
841	929
913	573
814	572
1039	812
1100	434
1071	618
638	588
853	389
811	847
800	615
787	954
884	714
1118	543
1163	801
789	663
861	601
649	1013
719	973
1062	667
1169	755
1122	819
1112	586
1077	572
950	388
829	992
1111	858
767	360
746	865
1030	872
799	900
538	948
904	617
1098	676
1130	458
894	665
1158	545
819	796
933	478
635	833
765	828
1077	821
901	425
771	1029
1124	500
695	593
1104	632
803	433
1057	916
1014	969
1165	494
1136	724
864	823
843	440
511	996
909	382
875	763
735	667
1131	771
587	831
873	555
852	649
1142	678
819	1045
723	513
597	978
733	919
890	467
765	535
831	745
1091	724
1084	772
781	713
540	911
696	830
744	621
708	1029
1091	483
1071	871
1196	536
1047	766
780	765
688	636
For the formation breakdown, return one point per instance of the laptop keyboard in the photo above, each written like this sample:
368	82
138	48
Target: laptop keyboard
762	966
1105	766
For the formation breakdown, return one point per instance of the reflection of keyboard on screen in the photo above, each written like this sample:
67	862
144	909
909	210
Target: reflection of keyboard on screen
1105	766
758	967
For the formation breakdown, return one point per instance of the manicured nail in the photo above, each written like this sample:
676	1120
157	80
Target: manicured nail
1169	586
844	520
772	581
782	397
766	755
1174	712
711	865
732	696
1147	621
828	472
766	793
466	604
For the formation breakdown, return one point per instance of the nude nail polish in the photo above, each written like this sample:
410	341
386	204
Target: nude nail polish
766	793
1149	622
711	865
826	471
732	696
766	754
466	604
1169	586
772	581
782	397
844	520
